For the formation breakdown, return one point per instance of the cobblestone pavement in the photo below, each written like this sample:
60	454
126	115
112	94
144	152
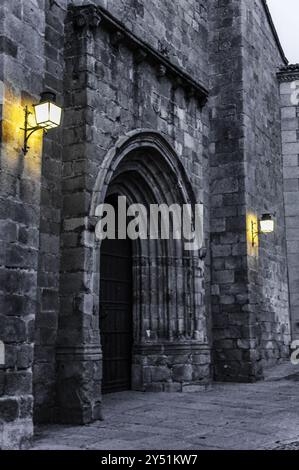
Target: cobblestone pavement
264	415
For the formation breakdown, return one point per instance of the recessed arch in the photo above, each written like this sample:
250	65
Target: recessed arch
140	139
169	319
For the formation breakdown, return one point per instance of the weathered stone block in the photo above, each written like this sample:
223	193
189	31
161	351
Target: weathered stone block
9	409
12	329
182	373
160	374
172	387
18	383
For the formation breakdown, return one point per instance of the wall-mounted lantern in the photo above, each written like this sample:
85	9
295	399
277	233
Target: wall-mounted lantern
265	226
47	116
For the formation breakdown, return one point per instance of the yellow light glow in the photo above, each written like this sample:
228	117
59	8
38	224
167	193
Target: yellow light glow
13	135
47	115
252	235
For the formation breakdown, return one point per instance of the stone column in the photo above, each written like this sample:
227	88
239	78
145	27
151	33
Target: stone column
229	275
78	348
249	283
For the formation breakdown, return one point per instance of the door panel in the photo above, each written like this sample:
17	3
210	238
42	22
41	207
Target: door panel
116	314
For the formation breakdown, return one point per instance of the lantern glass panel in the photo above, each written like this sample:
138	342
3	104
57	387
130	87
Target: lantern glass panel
267	226
47	115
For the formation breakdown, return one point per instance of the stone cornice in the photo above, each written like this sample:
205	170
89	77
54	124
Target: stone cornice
289	73
91	17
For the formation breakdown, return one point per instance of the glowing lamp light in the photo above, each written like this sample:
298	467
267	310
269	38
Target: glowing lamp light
267	224
47	116
47	113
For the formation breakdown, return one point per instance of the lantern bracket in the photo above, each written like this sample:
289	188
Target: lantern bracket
254	232
28	131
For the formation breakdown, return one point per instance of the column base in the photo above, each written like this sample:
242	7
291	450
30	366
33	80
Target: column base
79	374
170	366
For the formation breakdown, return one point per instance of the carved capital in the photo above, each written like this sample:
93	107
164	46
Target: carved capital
86	18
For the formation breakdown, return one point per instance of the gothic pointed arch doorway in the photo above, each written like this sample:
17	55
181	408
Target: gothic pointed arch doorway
170	341
157	287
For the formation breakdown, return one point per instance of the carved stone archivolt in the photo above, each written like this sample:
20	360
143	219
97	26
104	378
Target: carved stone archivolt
170	332
173	307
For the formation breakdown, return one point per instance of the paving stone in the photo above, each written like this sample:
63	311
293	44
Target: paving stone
227	417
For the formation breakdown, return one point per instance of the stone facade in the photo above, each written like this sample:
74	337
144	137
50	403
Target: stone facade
246	181
164	102
289	77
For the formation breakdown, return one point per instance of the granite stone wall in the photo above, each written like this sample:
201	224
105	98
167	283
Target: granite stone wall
44	372
22	64
229	275
267	265
288	77
176	28
249	284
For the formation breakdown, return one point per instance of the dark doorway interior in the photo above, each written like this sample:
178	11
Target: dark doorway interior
116	313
